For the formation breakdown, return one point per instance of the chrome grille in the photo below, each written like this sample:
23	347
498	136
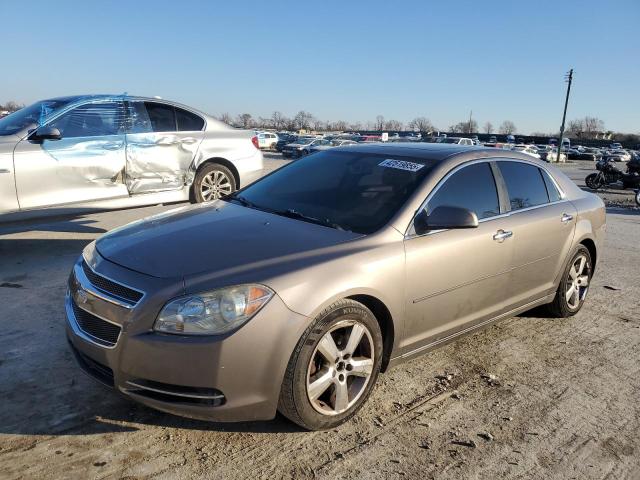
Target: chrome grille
111	288
103	332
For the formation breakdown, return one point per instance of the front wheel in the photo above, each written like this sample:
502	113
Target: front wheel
212	182
574	285
333	368
638	197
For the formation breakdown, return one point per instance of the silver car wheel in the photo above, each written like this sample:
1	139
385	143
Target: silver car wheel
214	185
577	282
340	367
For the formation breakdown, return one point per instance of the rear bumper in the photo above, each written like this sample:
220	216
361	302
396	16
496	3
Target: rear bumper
234	377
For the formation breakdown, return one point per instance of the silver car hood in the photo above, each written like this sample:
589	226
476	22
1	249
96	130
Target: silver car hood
212	238
8	142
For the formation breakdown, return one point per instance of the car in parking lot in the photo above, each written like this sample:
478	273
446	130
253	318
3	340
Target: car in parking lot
295	292
302	146
285	139
332	144
267	140
455	140
118	151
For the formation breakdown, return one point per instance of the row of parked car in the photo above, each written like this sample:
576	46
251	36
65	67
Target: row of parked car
294	146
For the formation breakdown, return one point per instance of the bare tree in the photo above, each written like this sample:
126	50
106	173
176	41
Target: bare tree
508	127
593	125
340	125
317	124
225	118
393	125
245	120
455	128
277	120
355	126
422	124
488	127
11	106
379	123
303	120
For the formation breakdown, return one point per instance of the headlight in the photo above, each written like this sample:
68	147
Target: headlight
212	313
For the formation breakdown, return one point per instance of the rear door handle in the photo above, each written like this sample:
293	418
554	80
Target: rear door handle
188	140
501	235
566	218
5	170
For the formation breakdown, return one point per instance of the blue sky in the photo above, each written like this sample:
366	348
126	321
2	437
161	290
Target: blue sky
340	60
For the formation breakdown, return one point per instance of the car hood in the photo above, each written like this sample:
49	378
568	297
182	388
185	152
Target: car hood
8	142
211	237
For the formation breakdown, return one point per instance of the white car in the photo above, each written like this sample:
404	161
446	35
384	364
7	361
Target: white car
103	151
528	149
456	140
267	140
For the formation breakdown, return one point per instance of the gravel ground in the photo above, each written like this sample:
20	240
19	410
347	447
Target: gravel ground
527	397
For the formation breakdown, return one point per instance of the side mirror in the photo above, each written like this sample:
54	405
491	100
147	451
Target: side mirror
47	133
445	218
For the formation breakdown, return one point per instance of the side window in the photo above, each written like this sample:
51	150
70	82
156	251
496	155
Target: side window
552	190
92	120
161	116
472	187
525	185
188	122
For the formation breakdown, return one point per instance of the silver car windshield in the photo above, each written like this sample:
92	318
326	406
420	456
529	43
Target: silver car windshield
33	115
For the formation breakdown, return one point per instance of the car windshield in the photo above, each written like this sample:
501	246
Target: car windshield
354	191
34	115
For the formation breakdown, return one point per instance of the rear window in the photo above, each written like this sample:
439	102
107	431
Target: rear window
552	190
188	122
525	185
162	117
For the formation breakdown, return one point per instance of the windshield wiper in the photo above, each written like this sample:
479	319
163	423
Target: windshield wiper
291	213
242	201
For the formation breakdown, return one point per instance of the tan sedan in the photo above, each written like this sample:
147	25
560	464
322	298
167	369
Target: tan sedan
295	292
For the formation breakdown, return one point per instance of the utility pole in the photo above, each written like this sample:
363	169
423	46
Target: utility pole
470	113
567	78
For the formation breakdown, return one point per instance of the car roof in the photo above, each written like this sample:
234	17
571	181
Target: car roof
433	151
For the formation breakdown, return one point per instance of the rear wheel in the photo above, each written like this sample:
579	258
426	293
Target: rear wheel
333	367
594	181
574	285
212	182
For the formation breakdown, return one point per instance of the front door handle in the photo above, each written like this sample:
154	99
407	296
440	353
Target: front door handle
501	235
112	145
566	218
5	170
188	140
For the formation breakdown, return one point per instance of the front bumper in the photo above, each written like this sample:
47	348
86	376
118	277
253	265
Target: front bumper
232	377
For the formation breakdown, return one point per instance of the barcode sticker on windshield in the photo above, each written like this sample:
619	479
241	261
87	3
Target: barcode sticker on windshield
401	165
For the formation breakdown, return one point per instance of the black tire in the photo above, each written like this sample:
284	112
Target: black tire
295	403
560	306
638	197
594	181
305	152
211	170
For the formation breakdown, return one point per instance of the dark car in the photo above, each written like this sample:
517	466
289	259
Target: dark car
302	146
285	139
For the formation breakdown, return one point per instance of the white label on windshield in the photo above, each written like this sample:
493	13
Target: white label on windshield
401	165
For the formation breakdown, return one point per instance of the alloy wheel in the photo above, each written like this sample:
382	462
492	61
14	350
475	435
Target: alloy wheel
340	367
577	281
214	185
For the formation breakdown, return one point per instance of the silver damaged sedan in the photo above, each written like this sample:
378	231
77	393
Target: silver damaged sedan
107	151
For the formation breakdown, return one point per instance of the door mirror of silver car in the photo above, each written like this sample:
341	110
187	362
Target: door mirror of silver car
46	133
444	218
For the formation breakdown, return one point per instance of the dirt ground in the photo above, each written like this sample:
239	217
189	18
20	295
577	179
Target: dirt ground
527	397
